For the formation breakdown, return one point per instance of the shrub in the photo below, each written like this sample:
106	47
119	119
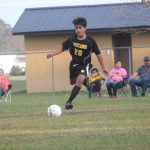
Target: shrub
17	71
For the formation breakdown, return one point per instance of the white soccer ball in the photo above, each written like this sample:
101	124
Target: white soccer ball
54	110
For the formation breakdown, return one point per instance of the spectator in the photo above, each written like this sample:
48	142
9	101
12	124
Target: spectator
140	77
115	81
95	81
4	81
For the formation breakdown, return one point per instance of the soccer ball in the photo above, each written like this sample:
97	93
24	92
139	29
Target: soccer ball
54	110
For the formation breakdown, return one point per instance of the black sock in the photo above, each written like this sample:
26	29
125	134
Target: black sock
74	93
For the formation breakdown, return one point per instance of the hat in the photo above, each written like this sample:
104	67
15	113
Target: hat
146	58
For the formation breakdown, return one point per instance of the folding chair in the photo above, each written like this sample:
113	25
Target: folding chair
147	90
5	95
124	89
95	88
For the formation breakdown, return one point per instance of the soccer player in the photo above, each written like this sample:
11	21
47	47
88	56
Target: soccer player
80	46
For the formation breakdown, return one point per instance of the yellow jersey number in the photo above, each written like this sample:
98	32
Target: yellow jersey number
78	52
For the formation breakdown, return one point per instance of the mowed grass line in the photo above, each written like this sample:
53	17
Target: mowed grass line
121	124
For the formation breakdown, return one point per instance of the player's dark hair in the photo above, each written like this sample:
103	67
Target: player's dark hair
80	21
118	62
1	70
94	69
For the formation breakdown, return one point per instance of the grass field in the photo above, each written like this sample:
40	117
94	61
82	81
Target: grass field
97	124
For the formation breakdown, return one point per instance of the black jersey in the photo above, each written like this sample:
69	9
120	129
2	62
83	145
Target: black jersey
81	50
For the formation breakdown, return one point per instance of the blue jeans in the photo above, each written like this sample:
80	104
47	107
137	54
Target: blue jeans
139	82
113	86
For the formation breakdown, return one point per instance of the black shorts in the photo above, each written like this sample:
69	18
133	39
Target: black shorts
77	69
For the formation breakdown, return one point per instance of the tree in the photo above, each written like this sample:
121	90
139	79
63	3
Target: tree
17	71
147	2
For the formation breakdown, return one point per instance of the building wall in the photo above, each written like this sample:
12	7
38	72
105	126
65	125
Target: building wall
104	41
39	69
139	41
42	76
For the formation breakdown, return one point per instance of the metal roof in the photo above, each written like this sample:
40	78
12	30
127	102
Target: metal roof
99	17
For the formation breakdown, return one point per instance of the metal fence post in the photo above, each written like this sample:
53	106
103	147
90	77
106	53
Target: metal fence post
130	65
53	77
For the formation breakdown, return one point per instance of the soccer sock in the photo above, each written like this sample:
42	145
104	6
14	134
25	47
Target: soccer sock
74	93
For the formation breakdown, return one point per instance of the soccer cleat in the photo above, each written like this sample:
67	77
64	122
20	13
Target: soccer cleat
68	106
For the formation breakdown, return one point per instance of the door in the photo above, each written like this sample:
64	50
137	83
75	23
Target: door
122	49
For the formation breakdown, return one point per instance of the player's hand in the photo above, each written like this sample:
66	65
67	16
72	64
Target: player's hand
105	71
49	55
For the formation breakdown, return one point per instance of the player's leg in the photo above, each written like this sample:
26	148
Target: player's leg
86	82
77	77
75	91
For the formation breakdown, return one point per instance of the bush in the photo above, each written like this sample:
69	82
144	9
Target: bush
17	71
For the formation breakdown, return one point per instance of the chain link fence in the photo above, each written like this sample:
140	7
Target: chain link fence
32	72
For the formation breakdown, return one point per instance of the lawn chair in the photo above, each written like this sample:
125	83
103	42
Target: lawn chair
119	88
95	88
5	95
124	89
147	89
94	83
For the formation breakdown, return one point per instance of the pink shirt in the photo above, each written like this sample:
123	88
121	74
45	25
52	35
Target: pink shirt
117	74
4	81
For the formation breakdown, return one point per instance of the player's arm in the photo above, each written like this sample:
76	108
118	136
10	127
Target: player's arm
65	47
100	59
134	75
98	54
54	53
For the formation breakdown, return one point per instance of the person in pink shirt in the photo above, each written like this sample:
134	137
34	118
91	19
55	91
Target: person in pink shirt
4	81
116	76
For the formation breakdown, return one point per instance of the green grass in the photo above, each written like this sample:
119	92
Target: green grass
97	124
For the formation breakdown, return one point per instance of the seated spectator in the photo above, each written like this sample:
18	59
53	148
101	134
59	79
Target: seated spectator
4	81
141	77
115	81
94	81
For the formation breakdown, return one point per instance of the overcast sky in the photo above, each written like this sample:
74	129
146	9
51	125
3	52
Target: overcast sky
11	10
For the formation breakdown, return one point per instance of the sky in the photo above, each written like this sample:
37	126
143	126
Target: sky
11	10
